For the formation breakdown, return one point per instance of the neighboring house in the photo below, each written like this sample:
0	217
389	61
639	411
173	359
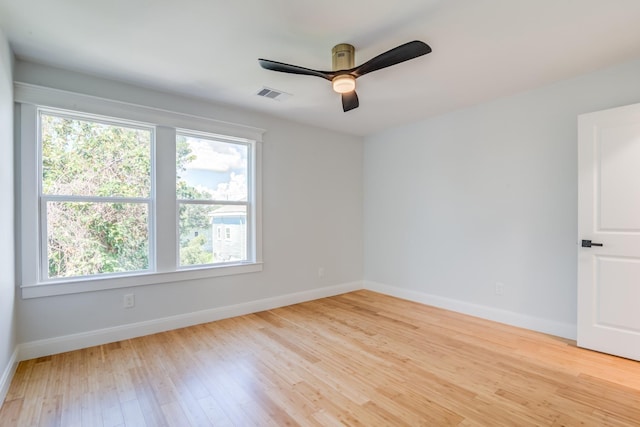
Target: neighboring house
229	228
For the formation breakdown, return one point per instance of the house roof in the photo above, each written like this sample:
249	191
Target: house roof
230	210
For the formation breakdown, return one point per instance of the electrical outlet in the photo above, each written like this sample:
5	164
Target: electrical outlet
499	288
320	271
129	301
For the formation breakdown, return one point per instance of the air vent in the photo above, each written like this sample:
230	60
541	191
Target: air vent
278	95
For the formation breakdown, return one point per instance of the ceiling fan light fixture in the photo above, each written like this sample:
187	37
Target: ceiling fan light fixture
344	83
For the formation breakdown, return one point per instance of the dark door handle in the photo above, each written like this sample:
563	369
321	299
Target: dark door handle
589	243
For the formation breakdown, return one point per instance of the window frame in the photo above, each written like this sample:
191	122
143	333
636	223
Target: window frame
45	198
164	204
212	202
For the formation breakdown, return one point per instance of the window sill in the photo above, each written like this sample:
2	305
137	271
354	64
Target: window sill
143	279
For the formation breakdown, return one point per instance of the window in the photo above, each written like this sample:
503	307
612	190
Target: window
211	188
125	195
95	196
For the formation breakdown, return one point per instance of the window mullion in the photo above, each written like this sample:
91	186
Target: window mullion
213	202
93	199
166	222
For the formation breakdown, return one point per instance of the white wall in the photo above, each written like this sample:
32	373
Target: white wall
7	275
312	211
458	202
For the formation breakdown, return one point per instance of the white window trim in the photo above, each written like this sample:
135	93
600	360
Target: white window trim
30	97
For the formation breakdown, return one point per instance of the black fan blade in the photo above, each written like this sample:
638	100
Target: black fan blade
349	101
391	57
294	69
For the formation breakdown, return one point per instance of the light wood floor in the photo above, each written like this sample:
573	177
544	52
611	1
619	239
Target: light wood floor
359	359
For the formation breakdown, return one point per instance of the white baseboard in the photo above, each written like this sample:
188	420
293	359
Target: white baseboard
565	330
61	344
7	375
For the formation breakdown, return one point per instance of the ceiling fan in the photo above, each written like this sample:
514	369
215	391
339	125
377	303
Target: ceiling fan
344	74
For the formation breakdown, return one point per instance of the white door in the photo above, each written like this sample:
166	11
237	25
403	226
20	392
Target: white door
609	214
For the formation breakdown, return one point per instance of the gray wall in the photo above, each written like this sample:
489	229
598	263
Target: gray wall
312	211
452	205
7	269
456	203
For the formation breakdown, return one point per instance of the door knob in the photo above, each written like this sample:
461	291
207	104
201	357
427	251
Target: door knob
589	243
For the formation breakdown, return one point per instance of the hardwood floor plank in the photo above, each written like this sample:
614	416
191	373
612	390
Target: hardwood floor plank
358	359
11	411
33	394
146	397
132	414
215	414
17	388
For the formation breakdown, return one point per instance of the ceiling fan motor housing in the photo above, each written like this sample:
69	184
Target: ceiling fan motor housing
343	57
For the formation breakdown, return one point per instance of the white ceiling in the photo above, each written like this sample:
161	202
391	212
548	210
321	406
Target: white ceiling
482	49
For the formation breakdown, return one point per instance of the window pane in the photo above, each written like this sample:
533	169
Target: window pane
83	158
208	169
212	234
96	238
